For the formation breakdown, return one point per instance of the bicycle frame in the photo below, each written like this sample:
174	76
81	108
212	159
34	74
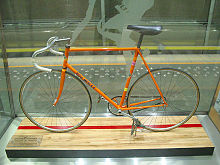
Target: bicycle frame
118	106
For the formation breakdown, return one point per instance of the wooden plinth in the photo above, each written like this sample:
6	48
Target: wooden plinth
109	137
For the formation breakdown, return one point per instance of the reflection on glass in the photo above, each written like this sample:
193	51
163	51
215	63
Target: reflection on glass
96	23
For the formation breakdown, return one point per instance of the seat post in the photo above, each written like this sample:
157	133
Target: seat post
140	40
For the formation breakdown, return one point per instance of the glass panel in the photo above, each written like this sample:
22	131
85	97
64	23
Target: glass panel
4	101
5	111
96	23
214	38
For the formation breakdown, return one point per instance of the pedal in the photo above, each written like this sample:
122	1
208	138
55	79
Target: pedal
101	98
136	123
133	128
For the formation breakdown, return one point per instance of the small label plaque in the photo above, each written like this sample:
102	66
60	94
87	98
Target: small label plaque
25	141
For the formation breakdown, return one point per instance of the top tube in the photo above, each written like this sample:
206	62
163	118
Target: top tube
102	49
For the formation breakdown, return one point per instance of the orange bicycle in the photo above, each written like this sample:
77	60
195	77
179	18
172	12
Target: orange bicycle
59	101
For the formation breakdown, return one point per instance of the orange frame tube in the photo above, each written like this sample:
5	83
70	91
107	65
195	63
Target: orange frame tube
118	106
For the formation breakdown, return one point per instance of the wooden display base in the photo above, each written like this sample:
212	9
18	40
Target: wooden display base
101	137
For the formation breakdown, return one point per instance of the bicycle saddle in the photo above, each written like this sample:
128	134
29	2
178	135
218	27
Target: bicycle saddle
146	30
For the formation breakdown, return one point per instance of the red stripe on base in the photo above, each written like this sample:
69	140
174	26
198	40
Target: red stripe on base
108	127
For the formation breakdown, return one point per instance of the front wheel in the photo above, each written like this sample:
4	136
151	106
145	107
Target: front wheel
180	91
38	93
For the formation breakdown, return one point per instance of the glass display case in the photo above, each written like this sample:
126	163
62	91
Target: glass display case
190	41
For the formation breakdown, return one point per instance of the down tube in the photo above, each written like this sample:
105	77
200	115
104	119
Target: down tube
91	85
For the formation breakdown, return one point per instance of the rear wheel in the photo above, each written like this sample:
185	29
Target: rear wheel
180	91
38	93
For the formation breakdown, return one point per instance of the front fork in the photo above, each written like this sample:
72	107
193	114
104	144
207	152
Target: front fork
62	80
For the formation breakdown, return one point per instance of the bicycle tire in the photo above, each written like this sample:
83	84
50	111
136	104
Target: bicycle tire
180	91
38	93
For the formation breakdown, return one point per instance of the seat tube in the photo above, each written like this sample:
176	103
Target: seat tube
129	77
140	40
